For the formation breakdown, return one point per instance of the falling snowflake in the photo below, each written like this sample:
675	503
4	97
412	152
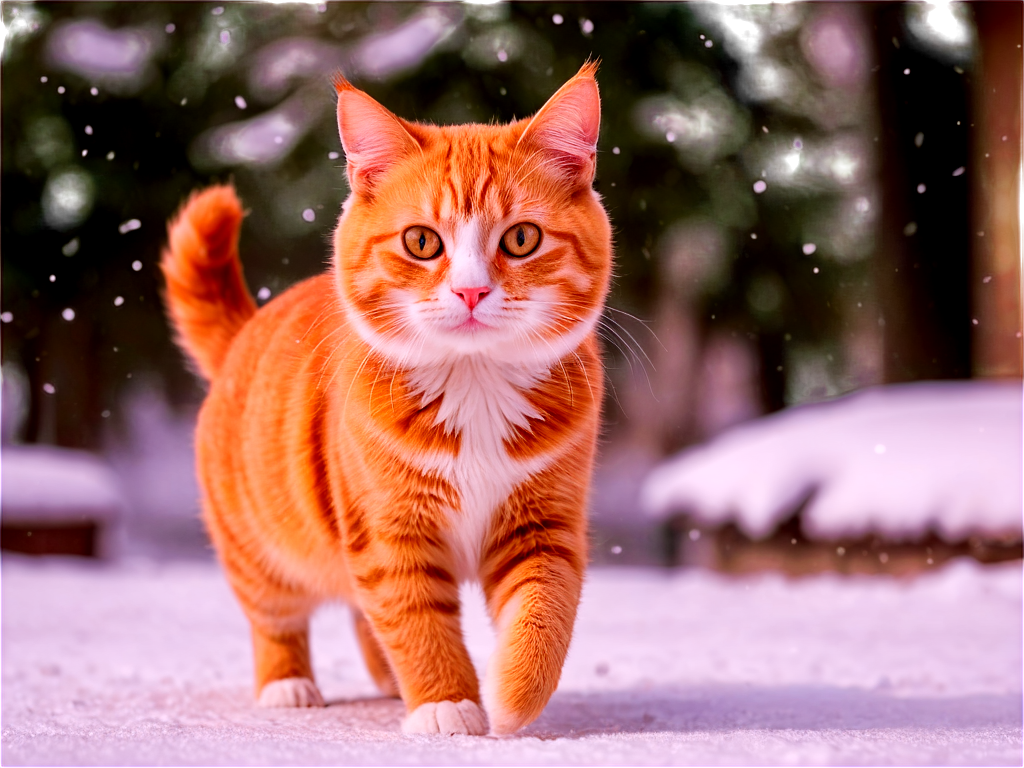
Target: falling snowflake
68	314
128	226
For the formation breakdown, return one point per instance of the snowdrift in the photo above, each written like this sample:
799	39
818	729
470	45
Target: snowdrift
896	461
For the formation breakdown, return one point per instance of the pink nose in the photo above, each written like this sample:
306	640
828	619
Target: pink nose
471	296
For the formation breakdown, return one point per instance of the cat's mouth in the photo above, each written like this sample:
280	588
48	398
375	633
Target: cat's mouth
471	325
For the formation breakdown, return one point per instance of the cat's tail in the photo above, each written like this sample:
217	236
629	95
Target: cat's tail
206	297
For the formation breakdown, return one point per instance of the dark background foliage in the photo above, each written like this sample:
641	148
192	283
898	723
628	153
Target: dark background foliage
899	308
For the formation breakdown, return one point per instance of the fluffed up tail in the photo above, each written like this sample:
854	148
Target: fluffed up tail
206	297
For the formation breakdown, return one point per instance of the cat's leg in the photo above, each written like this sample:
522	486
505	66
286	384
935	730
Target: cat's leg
279	617
532	573
284	675
408	593
376	662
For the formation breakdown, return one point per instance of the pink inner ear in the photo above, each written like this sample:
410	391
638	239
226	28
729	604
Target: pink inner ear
373	138
567	127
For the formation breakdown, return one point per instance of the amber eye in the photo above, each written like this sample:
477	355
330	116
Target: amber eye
422	243
521	240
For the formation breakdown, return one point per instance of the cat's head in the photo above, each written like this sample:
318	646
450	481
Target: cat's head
473	239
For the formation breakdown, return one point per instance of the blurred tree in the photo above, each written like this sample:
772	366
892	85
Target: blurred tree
996	153
736	160
923	263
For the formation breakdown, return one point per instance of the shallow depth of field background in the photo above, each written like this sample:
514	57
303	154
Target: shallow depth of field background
808	199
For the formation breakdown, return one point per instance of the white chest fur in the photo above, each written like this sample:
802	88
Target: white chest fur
483	401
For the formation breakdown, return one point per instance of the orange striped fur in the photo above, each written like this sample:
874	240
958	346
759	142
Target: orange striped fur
399	425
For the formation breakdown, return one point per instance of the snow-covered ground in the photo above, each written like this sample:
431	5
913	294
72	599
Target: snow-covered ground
137	663
898	461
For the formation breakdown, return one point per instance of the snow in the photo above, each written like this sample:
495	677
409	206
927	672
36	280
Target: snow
897	461
42	483
144	664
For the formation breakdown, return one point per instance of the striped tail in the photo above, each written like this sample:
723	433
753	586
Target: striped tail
206	297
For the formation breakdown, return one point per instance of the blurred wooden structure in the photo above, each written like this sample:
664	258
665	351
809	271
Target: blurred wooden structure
57	501
995	246
788	551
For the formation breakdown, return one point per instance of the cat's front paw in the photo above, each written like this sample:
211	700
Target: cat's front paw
290	692
446	718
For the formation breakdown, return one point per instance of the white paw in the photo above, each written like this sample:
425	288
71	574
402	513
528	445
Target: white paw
290	692
446	718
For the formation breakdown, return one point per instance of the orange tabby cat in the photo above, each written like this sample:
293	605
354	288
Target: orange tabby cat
422	415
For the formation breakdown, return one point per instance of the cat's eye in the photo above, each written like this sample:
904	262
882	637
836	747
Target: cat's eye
521	240
422	243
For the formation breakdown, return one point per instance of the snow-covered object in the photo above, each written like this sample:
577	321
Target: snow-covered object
43	484
897	461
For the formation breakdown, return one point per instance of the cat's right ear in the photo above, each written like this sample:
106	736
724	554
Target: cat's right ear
373	138
565	130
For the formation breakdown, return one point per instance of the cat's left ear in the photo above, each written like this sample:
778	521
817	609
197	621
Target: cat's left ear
373	138
565	130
